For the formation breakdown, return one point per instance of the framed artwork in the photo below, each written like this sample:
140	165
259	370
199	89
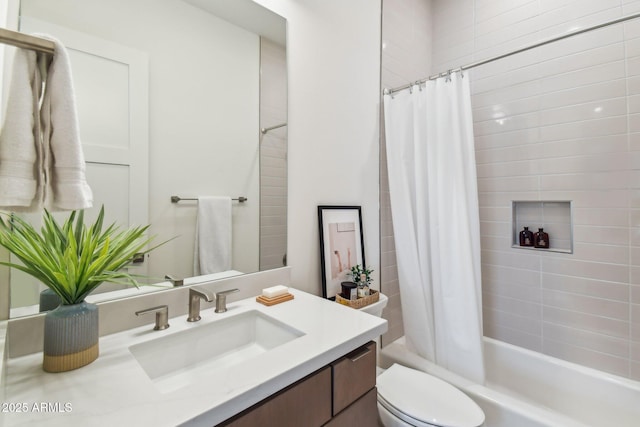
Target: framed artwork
341	245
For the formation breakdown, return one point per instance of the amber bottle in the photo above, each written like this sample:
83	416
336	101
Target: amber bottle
541	239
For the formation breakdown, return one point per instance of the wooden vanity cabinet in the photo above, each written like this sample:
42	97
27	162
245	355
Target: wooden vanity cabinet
340	394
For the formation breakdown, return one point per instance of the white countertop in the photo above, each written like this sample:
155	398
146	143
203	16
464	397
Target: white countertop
115	390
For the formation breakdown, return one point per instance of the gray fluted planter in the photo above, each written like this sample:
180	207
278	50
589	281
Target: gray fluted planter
70	337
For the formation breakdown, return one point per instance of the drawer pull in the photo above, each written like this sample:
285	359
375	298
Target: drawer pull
360	355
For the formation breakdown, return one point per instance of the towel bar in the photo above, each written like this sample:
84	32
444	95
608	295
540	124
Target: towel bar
176	199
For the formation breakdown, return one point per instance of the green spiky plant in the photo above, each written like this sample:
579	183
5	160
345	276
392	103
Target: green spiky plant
73	259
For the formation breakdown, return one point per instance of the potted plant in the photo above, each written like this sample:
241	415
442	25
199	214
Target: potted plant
362	278
72	259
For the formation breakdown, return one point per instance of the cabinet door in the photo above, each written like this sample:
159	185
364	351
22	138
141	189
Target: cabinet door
306	403
363	413
353	376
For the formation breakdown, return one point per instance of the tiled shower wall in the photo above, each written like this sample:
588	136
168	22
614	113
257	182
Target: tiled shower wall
273	155
406	56
561	122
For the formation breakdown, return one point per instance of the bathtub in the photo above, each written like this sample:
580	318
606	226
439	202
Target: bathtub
528	389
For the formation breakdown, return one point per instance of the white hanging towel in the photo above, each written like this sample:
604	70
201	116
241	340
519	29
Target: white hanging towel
213	236
64	164
21	177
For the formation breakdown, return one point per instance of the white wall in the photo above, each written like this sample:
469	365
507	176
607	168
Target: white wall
333	49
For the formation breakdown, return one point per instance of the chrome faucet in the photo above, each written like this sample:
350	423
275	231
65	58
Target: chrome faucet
194	303
162	316
221	300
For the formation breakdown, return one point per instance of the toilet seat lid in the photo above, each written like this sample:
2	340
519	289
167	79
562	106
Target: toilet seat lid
427	399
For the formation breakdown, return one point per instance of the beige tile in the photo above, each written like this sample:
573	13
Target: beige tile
586	286
583	356
602	325
617	347
585	304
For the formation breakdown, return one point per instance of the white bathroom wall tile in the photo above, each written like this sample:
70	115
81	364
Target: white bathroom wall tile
486	9
516	307
513	290
507	18
508	139
494	228
506	155
505	109
634	236
635	287
583	356
585	339
509	184
507	124
590	270
497	243
588	128
588	111
495	213
504	199
603	235
508	331
588	76
504	95
580	181
585	304
598	324
513	258
635	351
527	320
635	322
634	256
604	217
504	274
615	291
583	94
582	146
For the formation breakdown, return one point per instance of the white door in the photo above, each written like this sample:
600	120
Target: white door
111	87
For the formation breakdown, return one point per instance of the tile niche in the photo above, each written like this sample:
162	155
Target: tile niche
552	215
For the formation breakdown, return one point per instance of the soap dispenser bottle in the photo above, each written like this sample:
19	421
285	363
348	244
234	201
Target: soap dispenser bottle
541	239
526	237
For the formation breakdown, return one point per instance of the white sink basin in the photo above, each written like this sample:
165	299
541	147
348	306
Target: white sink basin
176	360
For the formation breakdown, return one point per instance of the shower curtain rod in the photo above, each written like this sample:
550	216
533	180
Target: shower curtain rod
26	41
513	52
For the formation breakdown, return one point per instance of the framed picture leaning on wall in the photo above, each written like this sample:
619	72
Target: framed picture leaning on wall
341	245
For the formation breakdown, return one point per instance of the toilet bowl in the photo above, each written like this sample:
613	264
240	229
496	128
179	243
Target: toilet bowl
408	397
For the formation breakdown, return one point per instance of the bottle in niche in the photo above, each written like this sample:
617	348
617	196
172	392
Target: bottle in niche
541	239
526	237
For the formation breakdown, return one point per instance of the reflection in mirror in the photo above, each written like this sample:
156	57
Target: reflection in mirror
171	97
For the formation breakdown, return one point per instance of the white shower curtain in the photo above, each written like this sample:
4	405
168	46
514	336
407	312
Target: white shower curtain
434	204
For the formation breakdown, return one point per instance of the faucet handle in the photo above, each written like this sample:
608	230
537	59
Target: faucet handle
221	300
162	316
176	282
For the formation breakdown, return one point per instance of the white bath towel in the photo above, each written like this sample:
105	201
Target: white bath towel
213	236
64	164
21	160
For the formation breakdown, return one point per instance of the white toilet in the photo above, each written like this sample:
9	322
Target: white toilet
408	397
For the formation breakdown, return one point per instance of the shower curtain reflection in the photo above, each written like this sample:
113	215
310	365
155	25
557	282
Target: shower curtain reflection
434	205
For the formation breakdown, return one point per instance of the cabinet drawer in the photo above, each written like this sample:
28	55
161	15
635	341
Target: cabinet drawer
305	403
363	413
353	376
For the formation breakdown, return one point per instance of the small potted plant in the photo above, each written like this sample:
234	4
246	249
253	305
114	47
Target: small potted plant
362	278
72	260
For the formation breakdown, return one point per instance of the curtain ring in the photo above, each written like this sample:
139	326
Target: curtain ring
448	78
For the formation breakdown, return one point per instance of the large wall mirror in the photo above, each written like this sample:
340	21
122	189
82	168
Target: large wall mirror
182	98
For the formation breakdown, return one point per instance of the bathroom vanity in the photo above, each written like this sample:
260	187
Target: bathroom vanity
309	358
